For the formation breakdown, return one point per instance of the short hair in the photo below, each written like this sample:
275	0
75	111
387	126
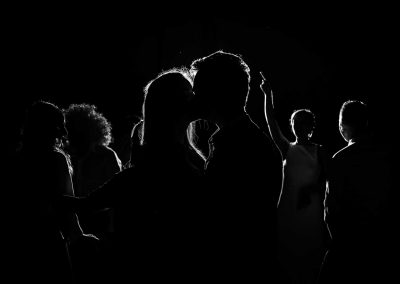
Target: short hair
164	99
228	73
354	113
303	120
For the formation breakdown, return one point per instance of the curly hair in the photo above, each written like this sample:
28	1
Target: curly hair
91	126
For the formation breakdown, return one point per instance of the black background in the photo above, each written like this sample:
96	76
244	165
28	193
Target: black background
315	57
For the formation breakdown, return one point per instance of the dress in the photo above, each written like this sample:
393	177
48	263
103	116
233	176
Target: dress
300	214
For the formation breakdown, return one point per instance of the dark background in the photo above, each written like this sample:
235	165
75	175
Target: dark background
315	57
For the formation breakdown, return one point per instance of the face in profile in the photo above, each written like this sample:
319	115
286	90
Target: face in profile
188	91
204	100
344	130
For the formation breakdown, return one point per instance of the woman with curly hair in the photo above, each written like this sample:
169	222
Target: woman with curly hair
157	201
94	162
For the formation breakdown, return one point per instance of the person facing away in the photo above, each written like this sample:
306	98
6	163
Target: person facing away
359	208
43	228
155	200
243	172
301	227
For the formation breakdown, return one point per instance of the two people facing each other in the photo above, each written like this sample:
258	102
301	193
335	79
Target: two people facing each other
218	224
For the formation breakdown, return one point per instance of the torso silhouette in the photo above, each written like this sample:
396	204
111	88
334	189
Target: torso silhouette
90	172
154	204
244	177
40	224
301	213
360	213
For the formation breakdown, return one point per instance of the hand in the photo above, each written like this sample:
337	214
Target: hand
90	237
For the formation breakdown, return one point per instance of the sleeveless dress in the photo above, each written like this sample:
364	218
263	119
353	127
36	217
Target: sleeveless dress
300	215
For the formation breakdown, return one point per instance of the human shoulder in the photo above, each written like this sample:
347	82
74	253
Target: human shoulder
108	153
343	153
59	156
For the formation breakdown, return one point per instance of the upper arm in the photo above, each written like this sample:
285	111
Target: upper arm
276	134
113	164
282	143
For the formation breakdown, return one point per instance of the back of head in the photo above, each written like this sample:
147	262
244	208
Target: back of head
222	79
166	100
303	123
354	116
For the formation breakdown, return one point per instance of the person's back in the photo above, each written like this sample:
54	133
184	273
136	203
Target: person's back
243	172
359	206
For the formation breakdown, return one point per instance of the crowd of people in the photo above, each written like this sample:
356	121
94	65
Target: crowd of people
248	206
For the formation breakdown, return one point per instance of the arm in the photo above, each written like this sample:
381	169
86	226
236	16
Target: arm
279	139
113	164
332	204
69	222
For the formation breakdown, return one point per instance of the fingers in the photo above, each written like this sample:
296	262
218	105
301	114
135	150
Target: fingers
262	76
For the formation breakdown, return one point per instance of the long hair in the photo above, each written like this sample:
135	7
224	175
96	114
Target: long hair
165	102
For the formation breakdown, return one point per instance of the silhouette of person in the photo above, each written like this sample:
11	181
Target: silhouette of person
359	209
155	199
301	224
243	173
43	229
94	162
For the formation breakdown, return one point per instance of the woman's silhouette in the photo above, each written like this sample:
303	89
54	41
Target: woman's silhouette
155	199
44	229
94	162
300	206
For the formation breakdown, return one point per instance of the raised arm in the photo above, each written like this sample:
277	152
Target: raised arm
276	134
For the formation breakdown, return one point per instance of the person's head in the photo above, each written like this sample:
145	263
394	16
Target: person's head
353	119
44	126
165	107
86	127
221	86
302	122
